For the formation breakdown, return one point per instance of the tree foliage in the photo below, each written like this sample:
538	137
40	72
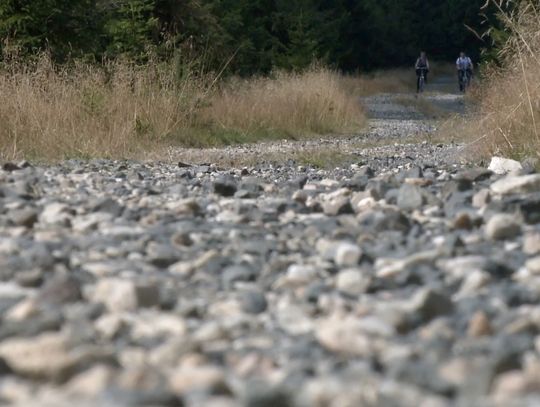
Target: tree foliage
257	35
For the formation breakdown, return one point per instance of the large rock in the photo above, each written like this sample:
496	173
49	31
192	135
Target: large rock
502	166
517	185
49	356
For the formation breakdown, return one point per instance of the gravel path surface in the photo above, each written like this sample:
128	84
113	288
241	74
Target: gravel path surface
405	279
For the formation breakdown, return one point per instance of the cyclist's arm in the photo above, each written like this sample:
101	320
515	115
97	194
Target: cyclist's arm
427	64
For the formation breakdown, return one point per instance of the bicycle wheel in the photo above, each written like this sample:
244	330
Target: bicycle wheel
422	84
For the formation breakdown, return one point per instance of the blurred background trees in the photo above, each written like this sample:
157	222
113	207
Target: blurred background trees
259	35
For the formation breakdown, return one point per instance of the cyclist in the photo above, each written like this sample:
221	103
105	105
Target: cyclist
464	67
422	64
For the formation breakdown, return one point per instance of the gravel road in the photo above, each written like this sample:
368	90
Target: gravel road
407	278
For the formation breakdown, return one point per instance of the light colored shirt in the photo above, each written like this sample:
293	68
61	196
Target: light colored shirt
464	63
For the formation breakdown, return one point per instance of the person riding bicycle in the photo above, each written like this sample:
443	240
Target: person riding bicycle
421	66
464	67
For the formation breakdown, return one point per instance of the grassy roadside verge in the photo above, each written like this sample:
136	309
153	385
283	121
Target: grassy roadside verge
507	119
125	111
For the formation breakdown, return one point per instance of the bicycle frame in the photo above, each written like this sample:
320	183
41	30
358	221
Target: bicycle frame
422	79
464	79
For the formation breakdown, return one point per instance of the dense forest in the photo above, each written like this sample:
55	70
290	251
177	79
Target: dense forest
253	36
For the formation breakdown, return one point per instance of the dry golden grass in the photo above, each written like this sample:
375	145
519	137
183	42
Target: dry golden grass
385	81
508	117
313	102
121	110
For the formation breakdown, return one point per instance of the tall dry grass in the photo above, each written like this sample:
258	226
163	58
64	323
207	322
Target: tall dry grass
121	110
508	117
313	102
118	110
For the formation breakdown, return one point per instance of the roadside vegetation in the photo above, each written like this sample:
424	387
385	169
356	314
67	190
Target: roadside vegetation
507	120
128	78
124	110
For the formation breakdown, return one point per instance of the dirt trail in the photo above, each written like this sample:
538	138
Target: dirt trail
398	118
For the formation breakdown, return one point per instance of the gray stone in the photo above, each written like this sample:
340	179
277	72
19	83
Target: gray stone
429	304
225	186
253	302
61	289
503	226
24	217
260	394
410	197
238	273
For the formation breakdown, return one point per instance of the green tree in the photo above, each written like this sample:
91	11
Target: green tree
67	28
130	26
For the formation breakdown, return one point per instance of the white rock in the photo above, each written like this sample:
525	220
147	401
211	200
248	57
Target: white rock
481	198
293	319
503	166
352	281
110	325
202	378
153	324
345	335
299	274
47	356
56	213
461	267
86	223
91	382
531	243
389	267
300	196
124	295
473	282
509	385
23	310
533	265
517	185
347	254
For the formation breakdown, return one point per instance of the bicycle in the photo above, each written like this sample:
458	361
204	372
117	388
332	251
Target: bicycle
464	79
422	80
